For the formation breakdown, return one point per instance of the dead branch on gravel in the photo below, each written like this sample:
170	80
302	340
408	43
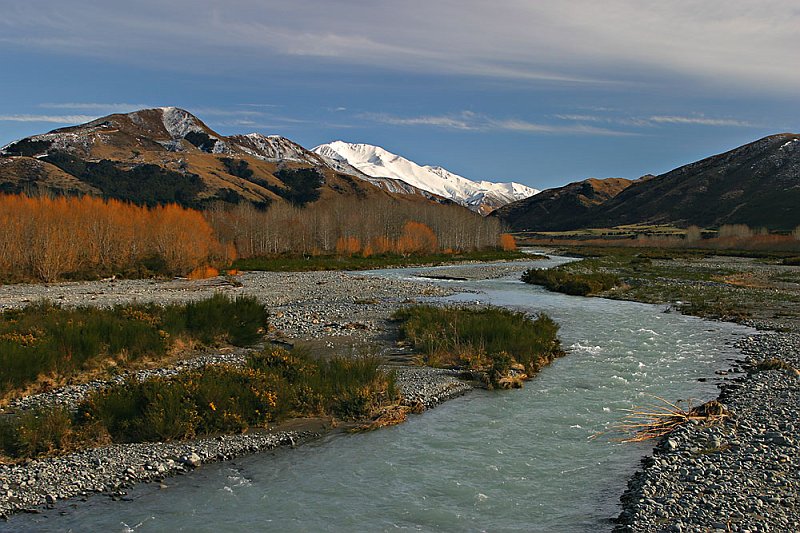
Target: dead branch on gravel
656	420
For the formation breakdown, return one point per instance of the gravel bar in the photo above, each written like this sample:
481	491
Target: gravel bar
742	475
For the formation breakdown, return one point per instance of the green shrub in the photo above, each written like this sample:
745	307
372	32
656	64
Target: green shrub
35	433
479	338
576	284
239	321
47	339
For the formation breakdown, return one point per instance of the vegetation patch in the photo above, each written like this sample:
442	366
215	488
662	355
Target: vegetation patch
273	385
45	341
496	341
145	184
293	263
578	284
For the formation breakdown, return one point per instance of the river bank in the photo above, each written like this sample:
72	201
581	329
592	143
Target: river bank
329	311
742	474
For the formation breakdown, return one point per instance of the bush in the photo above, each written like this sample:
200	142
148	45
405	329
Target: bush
480	338
273	384
46	339
571	283
35	433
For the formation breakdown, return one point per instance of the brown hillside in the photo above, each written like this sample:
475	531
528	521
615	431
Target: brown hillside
162	155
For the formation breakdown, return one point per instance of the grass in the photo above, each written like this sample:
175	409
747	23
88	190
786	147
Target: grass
272	386
45	340
357	262
491	340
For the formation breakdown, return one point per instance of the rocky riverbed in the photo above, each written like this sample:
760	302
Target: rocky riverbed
741	475
323	306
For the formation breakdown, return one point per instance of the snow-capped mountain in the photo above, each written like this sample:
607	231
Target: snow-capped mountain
481	196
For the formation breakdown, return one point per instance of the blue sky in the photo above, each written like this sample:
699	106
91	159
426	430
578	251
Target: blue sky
543	93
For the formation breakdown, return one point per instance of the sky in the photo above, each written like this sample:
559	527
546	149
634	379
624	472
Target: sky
542	93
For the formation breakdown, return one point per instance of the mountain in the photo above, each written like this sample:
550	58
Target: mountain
481	196
563	207
167	154
757	184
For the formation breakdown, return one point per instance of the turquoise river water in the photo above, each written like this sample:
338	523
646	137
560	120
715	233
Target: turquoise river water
518	460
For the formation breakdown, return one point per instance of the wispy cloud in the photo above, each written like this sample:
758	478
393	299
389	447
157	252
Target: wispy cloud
470	121
699	120
653	120
57	119
95	106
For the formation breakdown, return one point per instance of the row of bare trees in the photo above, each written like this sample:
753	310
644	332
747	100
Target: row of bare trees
47	238
349	226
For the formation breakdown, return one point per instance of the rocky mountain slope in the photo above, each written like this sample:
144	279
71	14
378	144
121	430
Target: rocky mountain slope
167	154
757	184
481	196
563	207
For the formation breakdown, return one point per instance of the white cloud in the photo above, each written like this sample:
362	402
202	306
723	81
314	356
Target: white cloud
469	121
699	120
721	43
58	119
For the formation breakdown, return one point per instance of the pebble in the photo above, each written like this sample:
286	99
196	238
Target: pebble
743	475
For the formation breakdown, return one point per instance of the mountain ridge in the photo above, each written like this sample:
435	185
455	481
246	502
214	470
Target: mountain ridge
482	196
757	184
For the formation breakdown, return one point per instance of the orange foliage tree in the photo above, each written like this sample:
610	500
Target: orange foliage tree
417	238
47	238
507	242
348	245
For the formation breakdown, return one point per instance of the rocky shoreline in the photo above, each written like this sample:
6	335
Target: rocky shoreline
742	475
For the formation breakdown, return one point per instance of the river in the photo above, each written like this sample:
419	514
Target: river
520	460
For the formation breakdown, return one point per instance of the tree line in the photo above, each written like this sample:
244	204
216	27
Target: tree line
50	238
354	226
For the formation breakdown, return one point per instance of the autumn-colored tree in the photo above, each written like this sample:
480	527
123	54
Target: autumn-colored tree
693	234
417	238
507	242
47	238
348	245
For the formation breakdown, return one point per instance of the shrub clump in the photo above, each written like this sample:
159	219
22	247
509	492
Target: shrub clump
45	339
272	385
493	340
576	284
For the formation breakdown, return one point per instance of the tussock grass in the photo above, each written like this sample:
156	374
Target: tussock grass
492	340
45	339
272	386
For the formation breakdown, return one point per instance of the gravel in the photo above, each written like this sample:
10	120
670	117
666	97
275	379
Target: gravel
742	475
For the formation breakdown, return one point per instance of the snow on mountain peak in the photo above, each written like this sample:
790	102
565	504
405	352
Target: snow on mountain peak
179	122
380	163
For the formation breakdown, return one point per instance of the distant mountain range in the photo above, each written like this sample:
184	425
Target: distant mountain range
167	154
757	184
374	161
